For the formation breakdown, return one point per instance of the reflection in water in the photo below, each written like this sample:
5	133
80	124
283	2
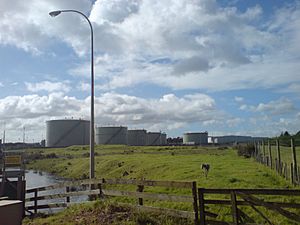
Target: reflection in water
41	179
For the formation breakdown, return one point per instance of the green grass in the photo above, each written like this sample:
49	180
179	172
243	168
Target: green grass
166	163
104	213
174	163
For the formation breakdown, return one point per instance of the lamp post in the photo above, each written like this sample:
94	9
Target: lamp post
92	132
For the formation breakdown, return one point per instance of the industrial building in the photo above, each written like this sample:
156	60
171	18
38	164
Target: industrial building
137	137
111	135
197	138
230	139
67	132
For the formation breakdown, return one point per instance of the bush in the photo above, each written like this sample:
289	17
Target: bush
245	150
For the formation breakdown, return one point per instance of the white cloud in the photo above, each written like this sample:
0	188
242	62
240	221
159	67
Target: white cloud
166	113
277	107
48	86
238	99
177	44
1	84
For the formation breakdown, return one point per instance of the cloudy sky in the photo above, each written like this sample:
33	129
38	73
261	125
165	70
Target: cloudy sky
226	67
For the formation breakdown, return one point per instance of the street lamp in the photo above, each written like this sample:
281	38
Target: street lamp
92	132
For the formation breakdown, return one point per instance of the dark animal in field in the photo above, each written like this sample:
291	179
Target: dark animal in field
205	167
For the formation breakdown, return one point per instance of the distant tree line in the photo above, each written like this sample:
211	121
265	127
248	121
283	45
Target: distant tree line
285	138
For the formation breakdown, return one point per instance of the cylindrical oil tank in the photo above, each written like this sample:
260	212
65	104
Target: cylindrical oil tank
137	137
163	138
154	138
199	138
63	133
111	135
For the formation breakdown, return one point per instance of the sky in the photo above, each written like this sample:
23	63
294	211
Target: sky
226	67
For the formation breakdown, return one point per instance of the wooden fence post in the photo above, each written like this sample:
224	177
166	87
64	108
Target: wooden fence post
100	191
270	154
35	201
294	158
140	188
201	206
68	197
292	173
264	152
278	155
195	203
234	209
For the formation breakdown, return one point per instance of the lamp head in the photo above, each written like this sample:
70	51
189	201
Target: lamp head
54	13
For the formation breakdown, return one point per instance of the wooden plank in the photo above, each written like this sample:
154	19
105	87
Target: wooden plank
254	191
294	158
287	214
171	184
278	156
201	206
234	209
48	206
270	155
163	197
195	203
212	222
63	195
170	212
262	215
228	202
64	184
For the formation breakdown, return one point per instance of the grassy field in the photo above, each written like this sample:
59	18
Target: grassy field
163	163
160	163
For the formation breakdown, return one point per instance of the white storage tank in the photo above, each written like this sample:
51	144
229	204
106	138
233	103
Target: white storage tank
197	138
154	138
111	135
163	138
137	137
63	133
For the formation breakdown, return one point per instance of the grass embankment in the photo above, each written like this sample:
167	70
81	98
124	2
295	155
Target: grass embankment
104	213
164	163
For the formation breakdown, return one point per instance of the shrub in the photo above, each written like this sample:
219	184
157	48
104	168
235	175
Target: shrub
245	150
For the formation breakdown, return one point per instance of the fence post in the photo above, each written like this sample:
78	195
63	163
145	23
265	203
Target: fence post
294	158
264	152
100	191
270	154
292	173
195	203
35	201
140	188
278	155
201	206
234	209
67	191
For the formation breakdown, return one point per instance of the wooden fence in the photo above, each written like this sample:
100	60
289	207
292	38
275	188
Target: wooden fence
197	198
99	189
245	197
289	170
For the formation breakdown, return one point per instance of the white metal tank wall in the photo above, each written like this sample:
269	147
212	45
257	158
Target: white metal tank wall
163	138
137	137
195	138
111	135
154	138
63	133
